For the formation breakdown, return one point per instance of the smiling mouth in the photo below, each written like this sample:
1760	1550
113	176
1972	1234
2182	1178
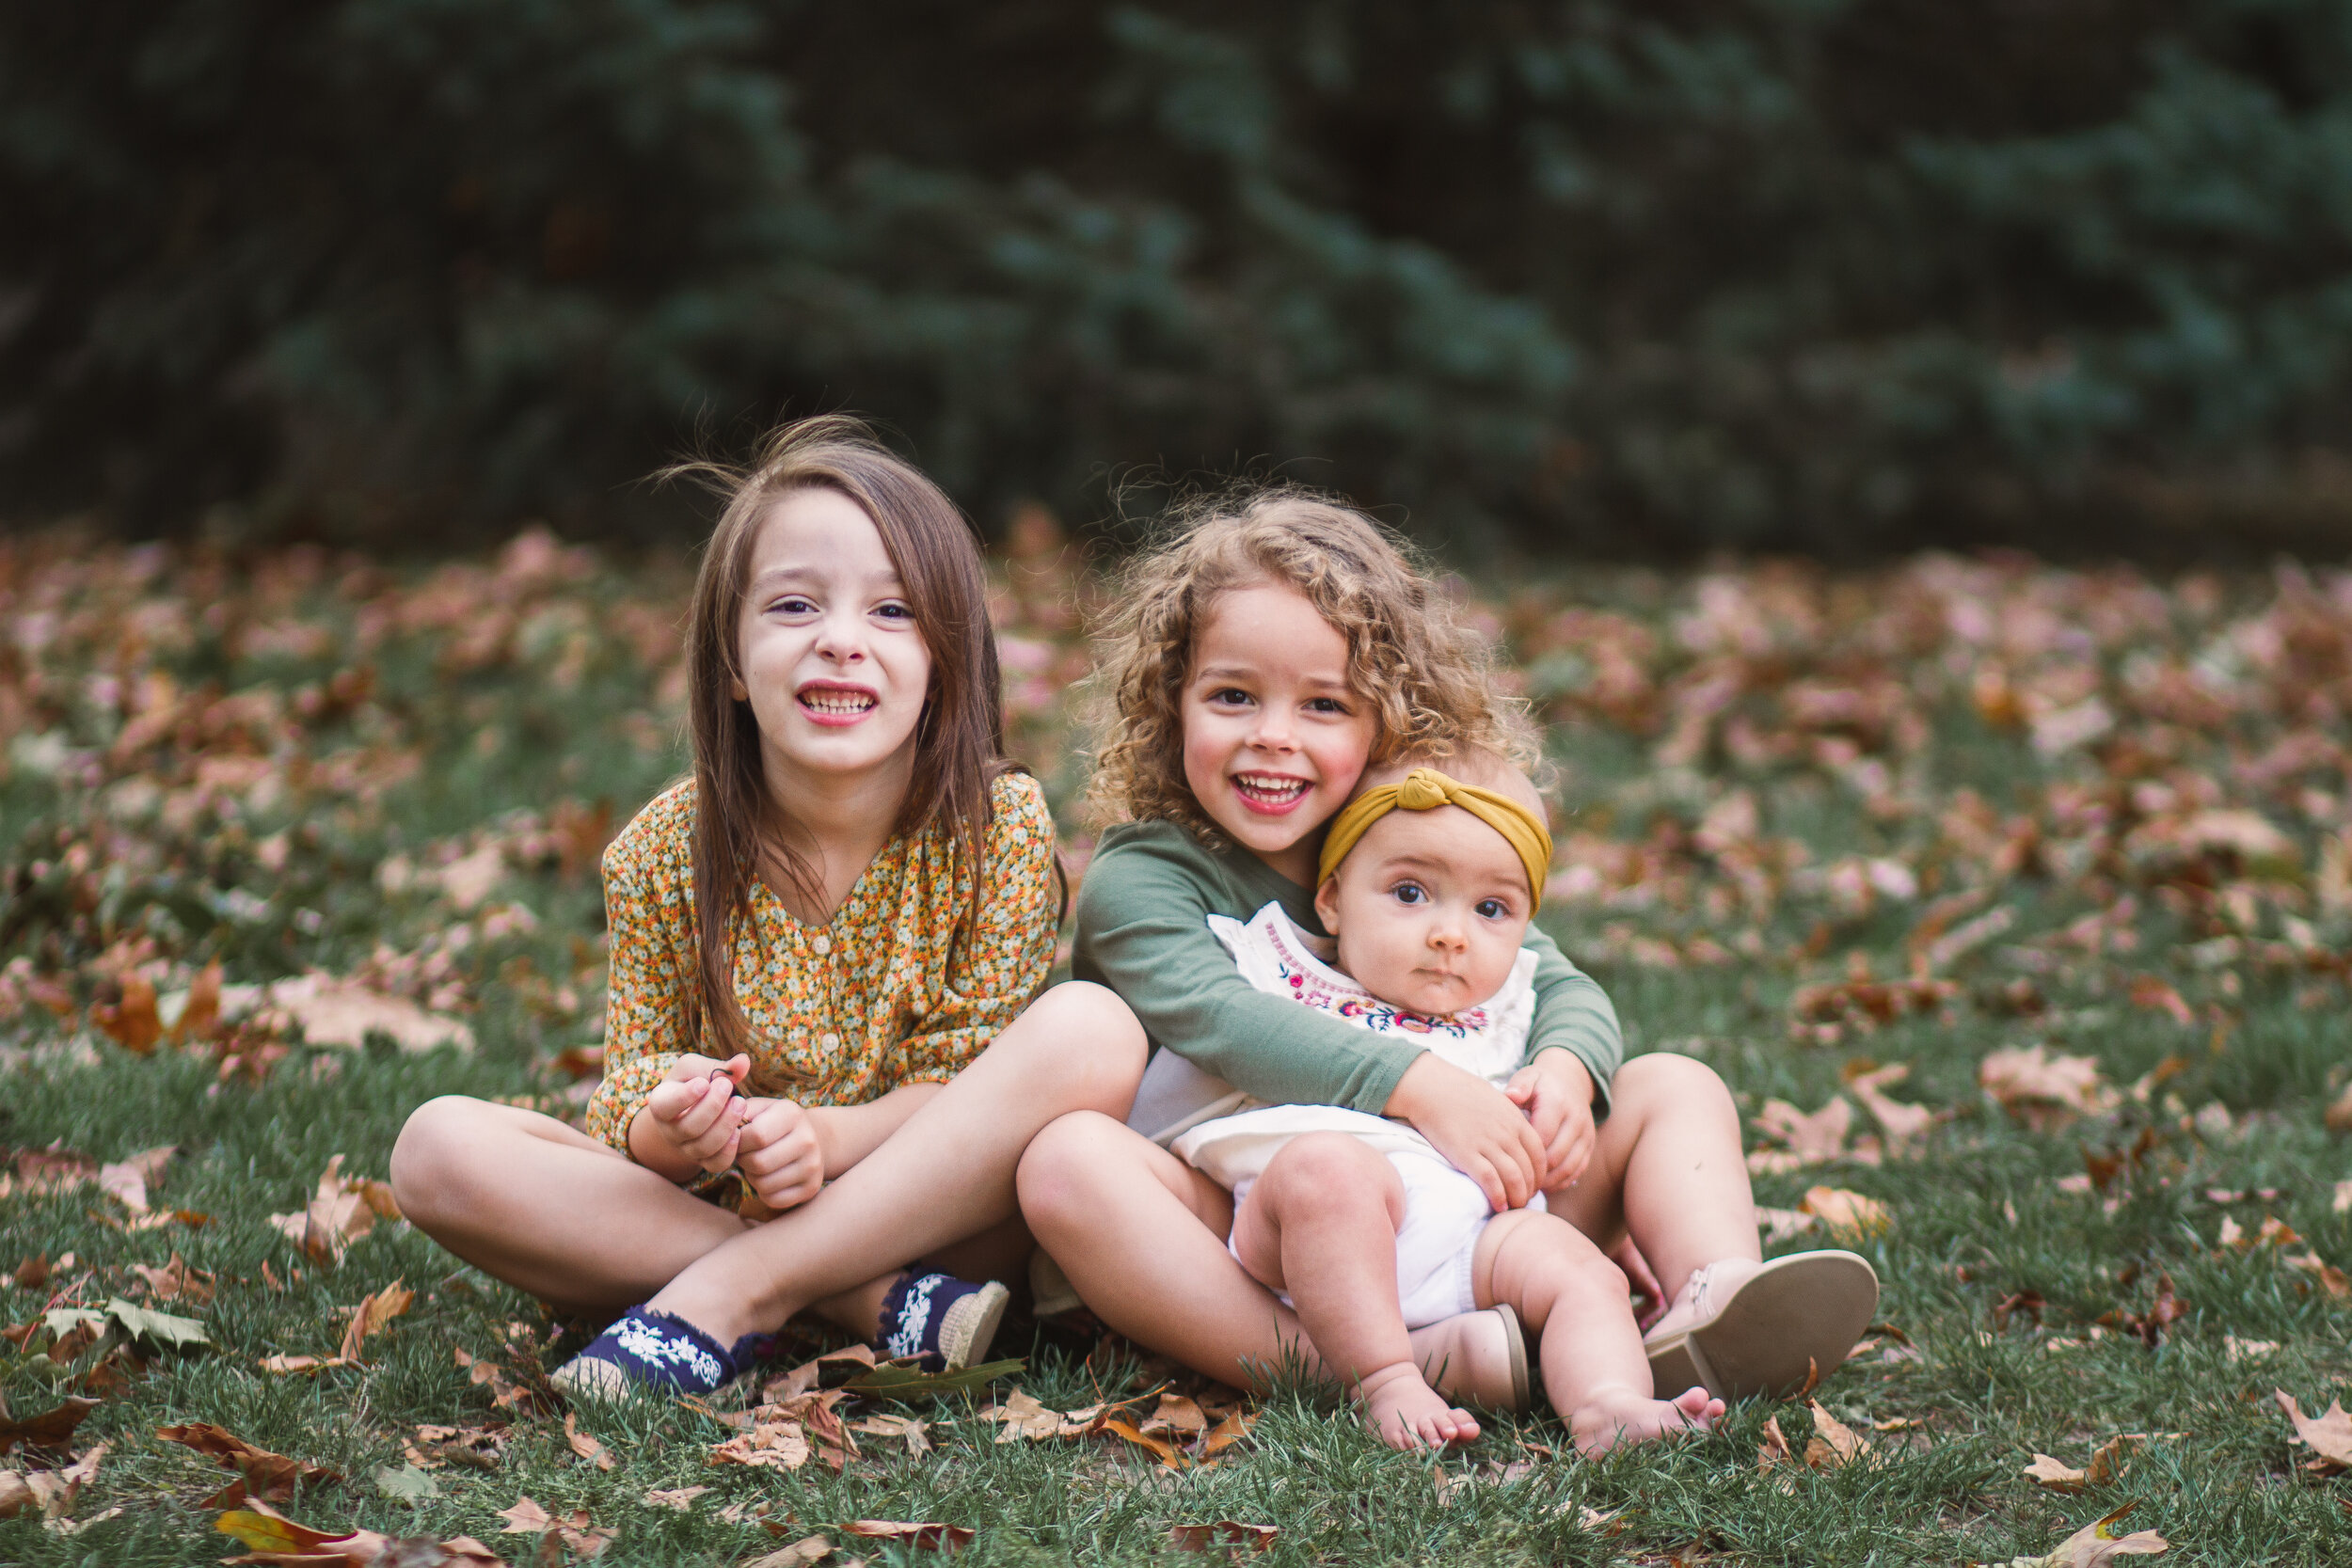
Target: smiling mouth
1270	791
834	702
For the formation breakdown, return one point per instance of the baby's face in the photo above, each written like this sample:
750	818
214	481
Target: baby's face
1430	908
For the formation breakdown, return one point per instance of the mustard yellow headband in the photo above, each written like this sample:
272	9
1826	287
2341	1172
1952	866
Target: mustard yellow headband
1426	790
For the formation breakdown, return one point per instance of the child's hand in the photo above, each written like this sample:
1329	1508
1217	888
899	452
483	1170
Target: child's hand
779	1154
1556	1092
693	1118
1474	1125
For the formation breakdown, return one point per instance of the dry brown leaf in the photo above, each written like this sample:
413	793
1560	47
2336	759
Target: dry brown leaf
907	1429
1846	1213
2106	1465
331	1011
1810	1139
921	1538
524	1516
768	1446
2339	1115
15	1495
1774	1450
2328	1434
680	1498
1833	1444
51	1429
175	1281
2043	1091
370	1317
1231	1534
1232	1430
2154	993
583	1445
1177	1414
808	1549
133	1023
126	1180
345	1209
2057	1474
1900	1122
2096	1544
1167	1453
270	1476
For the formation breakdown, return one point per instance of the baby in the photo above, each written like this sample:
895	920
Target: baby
1428	883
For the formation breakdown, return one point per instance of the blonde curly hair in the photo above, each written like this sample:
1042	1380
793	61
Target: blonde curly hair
1428	678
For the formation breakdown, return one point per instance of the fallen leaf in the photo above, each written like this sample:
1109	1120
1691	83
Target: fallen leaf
1020	1418
1783	1224
2057	1474
126	1180
1811	1139
408	1483
1167	1452
1177	1414
339	1012
158	1328
2343	1204
907	1429
374	1311
768	1446
808	1549
345	1209
271	1475
2106	1465
2155	995
1846	1213
681	1497
1833	1444
525	1517
51	1429
133	1023
583	1445
2043	1091
15	1495
921	1538
1774	1450
1901	1124
893	1380
175	1279
1232	1430
2328	1434
1229	1533
277	1539
2096	1544
2247	1350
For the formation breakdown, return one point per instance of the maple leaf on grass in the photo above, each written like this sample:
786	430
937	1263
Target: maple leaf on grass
2328	1434
1847	1214
126	1180
574	1529
583	1445
345	1209
272	1477
52	1428
2096	1544
681	1497
1811	1140
1234	1536
275	1539
918	1537
808	1549
1833	1444
2046	1093
339	1012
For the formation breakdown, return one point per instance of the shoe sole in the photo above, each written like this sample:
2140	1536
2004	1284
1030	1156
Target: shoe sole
971	1324
1794	1320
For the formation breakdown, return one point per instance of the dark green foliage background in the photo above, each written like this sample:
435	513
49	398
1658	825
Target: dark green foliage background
1828	274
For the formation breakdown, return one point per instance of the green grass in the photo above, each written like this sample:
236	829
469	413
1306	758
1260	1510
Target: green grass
1978	1215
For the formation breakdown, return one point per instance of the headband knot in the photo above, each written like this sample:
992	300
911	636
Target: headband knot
1426	790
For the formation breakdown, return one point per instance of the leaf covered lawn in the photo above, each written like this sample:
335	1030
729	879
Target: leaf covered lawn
2015	903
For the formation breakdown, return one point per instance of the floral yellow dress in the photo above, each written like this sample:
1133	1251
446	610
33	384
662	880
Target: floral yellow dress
905	985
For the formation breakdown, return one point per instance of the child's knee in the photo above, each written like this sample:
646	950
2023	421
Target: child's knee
1325	1174
1065	1161
1545	1264
1089	1039
431	1157
1663	1081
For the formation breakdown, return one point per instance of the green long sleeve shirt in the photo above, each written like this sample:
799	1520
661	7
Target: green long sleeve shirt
1143	931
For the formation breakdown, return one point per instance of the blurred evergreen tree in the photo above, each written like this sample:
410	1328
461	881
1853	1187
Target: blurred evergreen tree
1830	274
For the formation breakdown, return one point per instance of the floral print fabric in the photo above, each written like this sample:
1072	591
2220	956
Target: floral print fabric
905	985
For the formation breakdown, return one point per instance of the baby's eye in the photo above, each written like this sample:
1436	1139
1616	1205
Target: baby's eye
1494	908
1410	892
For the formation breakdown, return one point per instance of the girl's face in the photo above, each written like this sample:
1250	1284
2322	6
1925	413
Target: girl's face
833	664
1274	736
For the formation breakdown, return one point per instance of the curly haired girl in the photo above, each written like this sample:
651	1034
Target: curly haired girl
825	1045
1275	647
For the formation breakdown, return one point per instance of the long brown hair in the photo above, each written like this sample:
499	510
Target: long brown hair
960	739
1427	678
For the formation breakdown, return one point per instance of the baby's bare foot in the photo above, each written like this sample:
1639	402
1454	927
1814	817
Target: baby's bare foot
1408	1414
1616	1413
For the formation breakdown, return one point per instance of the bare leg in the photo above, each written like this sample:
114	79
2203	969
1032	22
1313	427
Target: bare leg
945	1175
1321	1224
1570	1294
1667	1166
547	1208
1141	1236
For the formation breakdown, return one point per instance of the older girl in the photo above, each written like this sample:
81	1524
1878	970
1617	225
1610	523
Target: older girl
823	1057
1264	657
